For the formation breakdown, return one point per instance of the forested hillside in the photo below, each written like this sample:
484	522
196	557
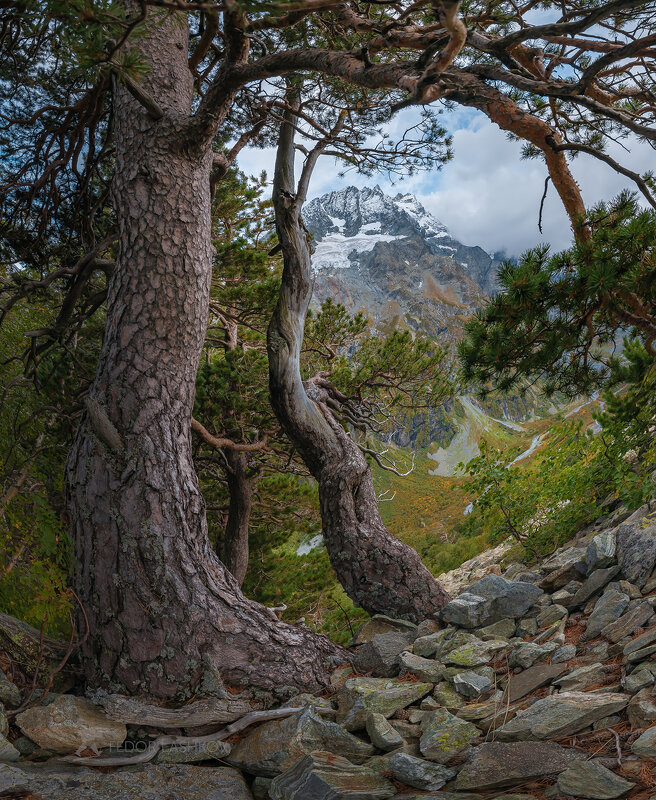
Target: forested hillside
303	498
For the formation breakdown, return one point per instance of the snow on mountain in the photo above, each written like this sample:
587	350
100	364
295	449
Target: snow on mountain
391	259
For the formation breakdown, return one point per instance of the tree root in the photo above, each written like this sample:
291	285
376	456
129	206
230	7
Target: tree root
162	741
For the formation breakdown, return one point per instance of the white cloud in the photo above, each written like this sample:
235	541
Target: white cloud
486	195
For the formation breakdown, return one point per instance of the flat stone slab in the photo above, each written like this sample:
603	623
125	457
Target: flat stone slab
645	744
634	618
152	781
561	715
418	773
324	776
277	745
496	764
361	696
593	781
531	679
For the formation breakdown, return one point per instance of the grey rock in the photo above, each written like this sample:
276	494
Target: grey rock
410	734
430	645
381	654
418	773
361	696
636	546
581	677
307	699
447	696
379	623
641	710
152	781
640	655
601	551
591	585
426	627
559	578
564	557
531	679
12	778
503	629
7	750
382	734
25	746
69	723
275	746
564	596
550	615
471	684
637	680
471	653
608	608
630	589
606	722
496	764
467	611
527	627
645	744
489	600
429	704
416	715
561	714
444	796
629	622
425	669
564	653
597	651
528	653
640	642
191	754
325	776
590	779
9	692
444	736
260	788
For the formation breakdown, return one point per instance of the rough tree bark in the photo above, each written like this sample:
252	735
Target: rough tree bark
379	572
161	606
234	552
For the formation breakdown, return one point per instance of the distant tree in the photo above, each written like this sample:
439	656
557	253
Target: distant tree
560	317
373	379
311	412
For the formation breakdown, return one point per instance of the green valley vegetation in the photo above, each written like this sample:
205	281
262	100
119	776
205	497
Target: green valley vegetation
560	320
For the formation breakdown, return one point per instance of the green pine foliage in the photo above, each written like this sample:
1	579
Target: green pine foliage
559	317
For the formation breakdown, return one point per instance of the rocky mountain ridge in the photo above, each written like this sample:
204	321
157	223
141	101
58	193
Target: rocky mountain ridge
392	260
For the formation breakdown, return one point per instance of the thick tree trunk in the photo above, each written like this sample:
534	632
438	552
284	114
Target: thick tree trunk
379	572
161	607
234	552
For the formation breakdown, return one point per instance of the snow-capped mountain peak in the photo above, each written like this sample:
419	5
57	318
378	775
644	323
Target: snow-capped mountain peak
392	259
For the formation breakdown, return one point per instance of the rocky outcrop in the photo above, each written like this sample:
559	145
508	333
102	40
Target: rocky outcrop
535	689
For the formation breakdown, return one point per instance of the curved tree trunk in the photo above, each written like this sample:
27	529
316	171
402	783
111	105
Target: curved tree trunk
234	552
161	607
380	573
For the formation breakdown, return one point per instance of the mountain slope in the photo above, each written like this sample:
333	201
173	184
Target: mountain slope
390	259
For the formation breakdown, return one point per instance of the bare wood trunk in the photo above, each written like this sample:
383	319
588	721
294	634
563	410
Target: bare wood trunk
161	607
378	571
234	552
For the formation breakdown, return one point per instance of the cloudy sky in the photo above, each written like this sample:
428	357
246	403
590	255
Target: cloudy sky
486	195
